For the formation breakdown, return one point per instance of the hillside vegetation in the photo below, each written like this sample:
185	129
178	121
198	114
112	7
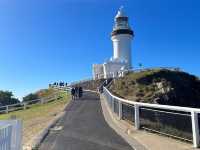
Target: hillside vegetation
37	117
90	85
7	98
160	86
43	93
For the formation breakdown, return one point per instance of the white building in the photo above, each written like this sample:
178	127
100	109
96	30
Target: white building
121	37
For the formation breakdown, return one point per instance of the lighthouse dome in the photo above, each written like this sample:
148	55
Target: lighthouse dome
120	12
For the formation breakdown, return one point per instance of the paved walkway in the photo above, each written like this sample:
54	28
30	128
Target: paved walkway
83	128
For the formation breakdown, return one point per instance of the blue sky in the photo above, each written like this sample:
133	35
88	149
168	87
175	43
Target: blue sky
42	41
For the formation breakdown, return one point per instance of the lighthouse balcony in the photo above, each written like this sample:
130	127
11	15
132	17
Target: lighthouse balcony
122	31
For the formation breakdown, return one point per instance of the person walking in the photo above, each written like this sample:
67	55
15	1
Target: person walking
76	92
80	93
73	93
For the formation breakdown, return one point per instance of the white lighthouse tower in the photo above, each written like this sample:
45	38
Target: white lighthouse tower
122	36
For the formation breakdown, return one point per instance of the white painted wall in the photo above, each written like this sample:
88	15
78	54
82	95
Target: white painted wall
97	71
122	48
112	68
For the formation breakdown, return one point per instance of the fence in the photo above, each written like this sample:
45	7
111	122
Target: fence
174	121
121	73
5	137
11	130
11	135
25	105
155	68
80	81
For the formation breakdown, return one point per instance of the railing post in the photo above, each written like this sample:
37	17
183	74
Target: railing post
195	129
42	101
9	134
24	105
113	75
122	73
120	110
137	117
113	103
19	134
7	111
110	101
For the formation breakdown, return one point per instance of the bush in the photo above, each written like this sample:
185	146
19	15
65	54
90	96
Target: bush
30	97
6	98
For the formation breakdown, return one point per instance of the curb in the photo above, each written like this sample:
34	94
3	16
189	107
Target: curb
121	130
41	136
38	140
147	141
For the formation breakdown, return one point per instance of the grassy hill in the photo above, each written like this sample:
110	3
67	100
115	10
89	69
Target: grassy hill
45	92
160	86
90	85
37	117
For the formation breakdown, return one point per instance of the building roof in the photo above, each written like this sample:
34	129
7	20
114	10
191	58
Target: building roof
120	12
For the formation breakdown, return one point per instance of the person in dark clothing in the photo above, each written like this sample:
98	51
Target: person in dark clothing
73	92
76	92
80	93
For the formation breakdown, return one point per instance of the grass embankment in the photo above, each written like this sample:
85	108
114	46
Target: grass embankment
37	117
90	85
161	86
45	92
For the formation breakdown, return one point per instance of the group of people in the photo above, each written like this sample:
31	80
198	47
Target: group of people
76	92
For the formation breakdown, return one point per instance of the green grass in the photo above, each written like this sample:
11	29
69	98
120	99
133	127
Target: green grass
158	86
138	75
37	109
45	92
38	116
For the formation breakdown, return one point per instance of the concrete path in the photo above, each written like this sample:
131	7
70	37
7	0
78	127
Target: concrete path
83	128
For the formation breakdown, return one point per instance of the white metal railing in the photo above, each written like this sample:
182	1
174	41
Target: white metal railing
107	75
121	73
154	68
5	137
81	81
193	112
10	135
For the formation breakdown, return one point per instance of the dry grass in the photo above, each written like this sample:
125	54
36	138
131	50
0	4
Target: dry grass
91	85
36	118
160	86
129	88
45	92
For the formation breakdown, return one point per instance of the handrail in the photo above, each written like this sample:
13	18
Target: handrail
120	73
167	107
193	113
4	126
152	68
80	81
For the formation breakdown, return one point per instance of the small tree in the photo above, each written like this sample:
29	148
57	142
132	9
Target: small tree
140	65
6	98
30	97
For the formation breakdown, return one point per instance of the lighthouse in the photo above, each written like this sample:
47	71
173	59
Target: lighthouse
121	37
